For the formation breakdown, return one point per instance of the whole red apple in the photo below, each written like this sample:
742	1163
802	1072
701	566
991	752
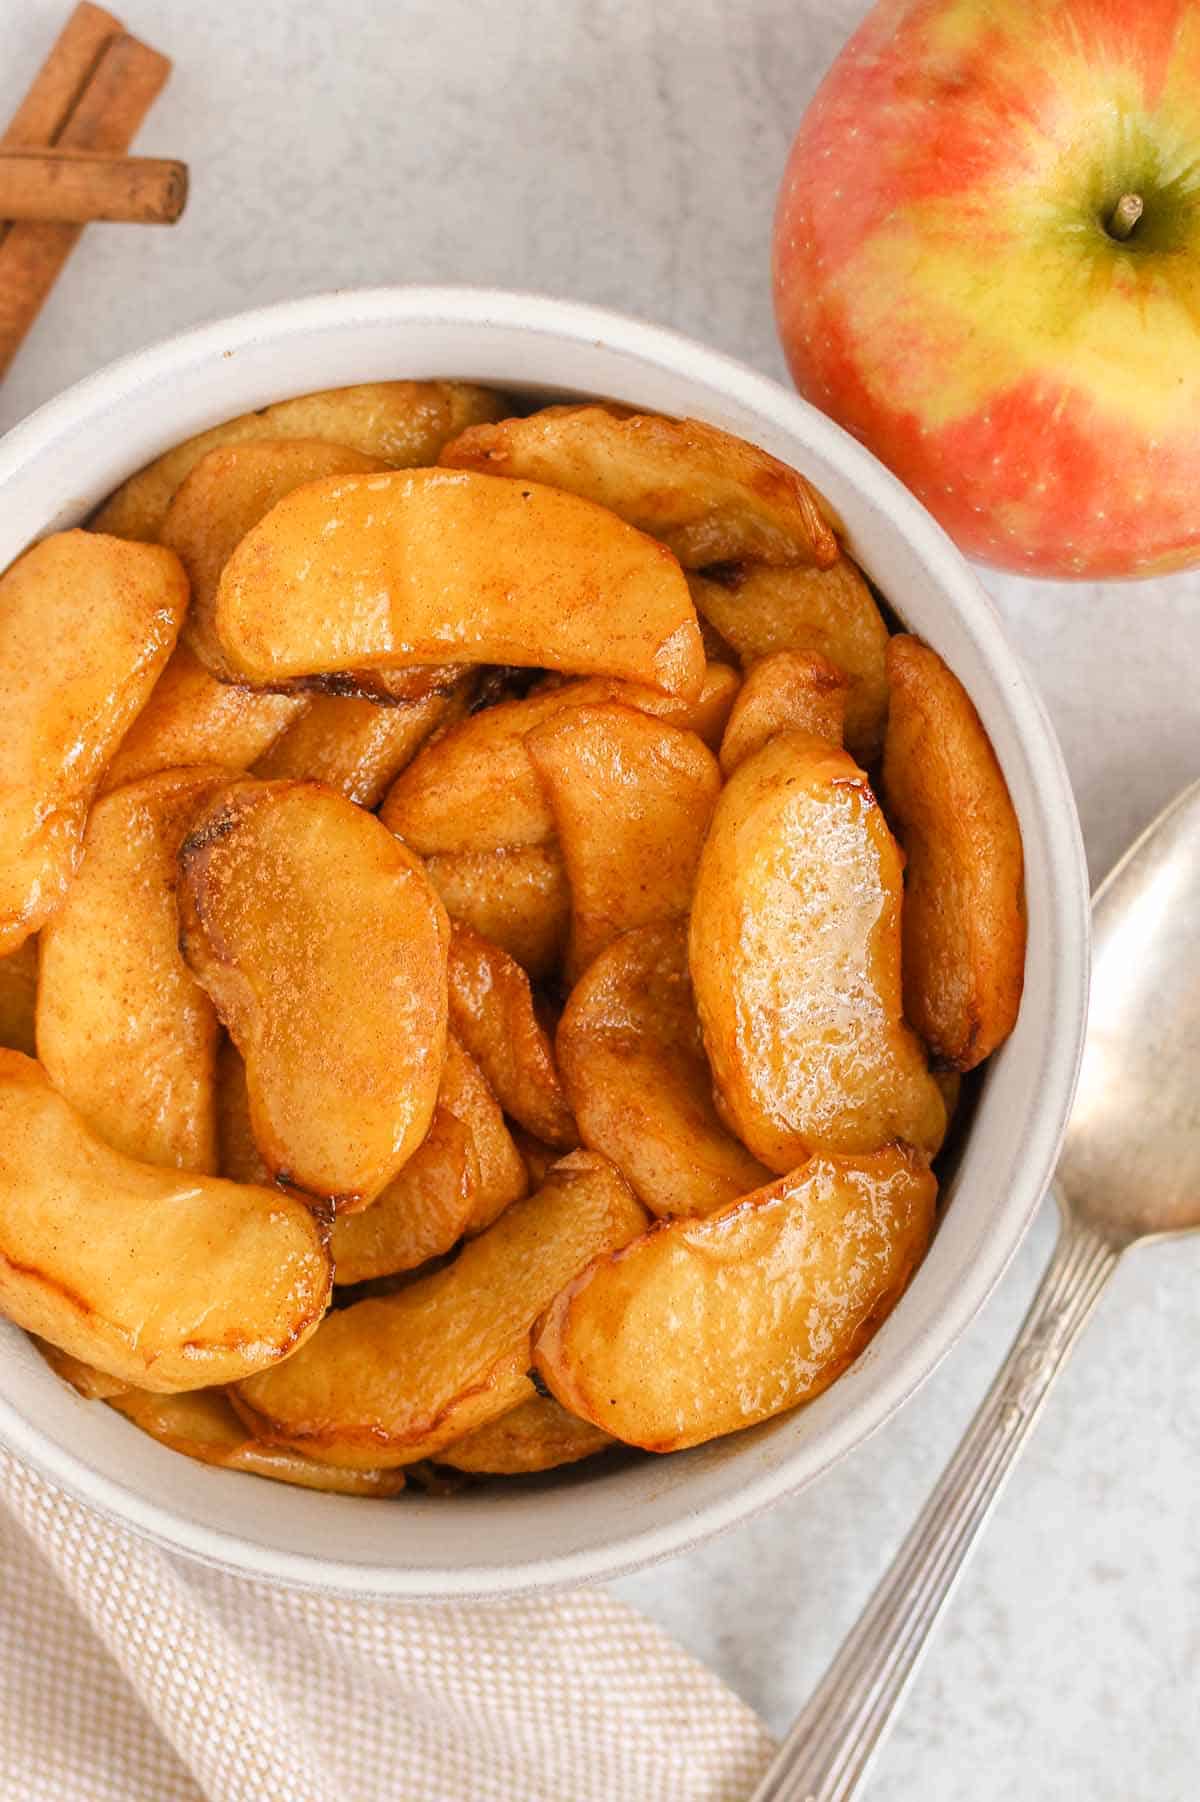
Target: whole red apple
987	267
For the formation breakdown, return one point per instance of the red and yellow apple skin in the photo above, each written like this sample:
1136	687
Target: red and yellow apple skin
946	287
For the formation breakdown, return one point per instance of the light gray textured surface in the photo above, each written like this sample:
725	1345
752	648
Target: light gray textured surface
627	153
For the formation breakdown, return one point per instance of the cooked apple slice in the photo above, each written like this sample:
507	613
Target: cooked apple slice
789	690
637	1079
18	997
422	1213
391	1380
964	908
323	945
762	1305
404	423
237	1149
92	1384
204	1425
163	1280
86	624
706	494
517	896
355	746
831	611
537	1435
492	1013
536	1155
124	1030
474	789
192	718
500	1174
795	961
440	566
631	798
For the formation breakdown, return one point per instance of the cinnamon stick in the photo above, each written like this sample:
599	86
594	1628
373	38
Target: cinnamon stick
80	186
59	83
107	114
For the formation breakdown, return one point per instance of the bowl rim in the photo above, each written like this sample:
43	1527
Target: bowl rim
45	432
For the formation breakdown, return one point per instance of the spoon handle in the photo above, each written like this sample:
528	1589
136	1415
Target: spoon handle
825	1757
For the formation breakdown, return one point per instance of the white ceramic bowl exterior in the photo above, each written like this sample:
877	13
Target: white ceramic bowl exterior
67	456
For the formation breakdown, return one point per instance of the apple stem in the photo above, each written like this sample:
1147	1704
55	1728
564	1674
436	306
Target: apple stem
1125	216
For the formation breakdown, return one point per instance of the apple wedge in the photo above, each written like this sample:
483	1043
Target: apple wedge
388	1381
537	1435
192	718
758	610
474	789
787	691
404	423
631	799
162	1280
517	896
356	746
124	1030
795	961
964	908
762	1305
423	1212
500	1174
323	946
438	566
493	1015
238	1155
86	624
18	998
708	495
638	1082
204	1425
92	1384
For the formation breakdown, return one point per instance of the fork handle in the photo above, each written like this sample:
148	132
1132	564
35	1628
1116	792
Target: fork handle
827	1754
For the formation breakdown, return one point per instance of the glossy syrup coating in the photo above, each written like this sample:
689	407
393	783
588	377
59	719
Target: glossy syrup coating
702	1327
795	961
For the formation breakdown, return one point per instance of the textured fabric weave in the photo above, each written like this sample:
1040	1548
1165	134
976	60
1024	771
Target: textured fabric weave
128	1675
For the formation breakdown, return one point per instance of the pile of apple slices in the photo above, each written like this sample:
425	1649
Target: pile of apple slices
463	999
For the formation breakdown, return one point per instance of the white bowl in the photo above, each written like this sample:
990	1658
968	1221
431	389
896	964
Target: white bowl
60	462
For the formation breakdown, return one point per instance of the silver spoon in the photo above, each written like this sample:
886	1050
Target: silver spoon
1130	1171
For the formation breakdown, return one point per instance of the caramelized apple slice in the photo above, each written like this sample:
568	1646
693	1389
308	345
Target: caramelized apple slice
205	1426
404	423
238	1155
516	896
385	1382
830	611
964	911
358	747
192	718
762	1305
474	788
631	799
795	960
492	1013
323	946
159	1279
422	1213
789	690
86	624
538	1435
500	1174
636	1076
439	566
92	1384
124	1030
706	494
18	997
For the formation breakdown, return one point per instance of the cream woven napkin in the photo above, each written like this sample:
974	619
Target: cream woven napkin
128	1675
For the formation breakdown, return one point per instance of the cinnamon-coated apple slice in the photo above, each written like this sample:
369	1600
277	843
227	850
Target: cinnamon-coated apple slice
192	718
795	961
165	1280
703	1327
637	1079
18	997
492	1013
828	611
323	945
404	423
516	895
631	799
964	909
357	746
423	1212
500	1174
124	1030
474	788
706	494
390	1380
86	624
440	566
789	690
537	1435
